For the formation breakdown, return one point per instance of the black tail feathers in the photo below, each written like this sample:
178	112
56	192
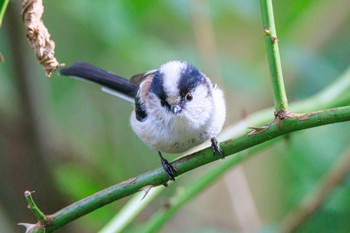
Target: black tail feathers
91	73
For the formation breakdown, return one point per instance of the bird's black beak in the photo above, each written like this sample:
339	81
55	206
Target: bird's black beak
175	109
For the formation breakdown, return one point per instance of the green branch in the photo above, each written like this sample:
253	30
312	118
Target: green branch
273	55
158	177
40	216
37	212
3	6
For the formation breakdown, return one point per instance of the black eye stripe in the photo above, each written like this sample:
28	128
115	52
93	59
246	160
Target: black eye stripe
189	80
157	86
140	110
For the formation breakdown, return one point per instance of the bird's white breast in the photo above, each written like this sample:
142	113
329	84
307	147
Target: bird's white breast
176	134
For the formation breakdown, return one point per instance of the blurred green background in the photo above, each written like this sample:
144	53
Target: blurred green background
66	139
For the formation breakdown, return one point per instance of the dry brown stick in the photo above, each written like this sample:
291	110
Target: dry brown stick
297	218
38	36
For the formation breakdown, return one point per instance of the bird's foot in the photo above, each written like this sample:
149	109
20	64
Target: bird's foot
168	168
215	146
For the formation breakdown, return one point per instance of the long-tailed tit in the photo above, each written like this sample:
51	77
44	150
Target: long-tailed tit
176	106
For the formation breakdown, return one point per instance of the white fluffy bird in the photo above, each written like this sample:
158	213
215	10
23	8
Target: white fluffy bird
176	106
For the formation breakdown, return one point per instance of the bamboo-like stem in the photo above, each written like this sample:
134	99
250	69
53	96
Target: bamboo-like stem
158	177
273	56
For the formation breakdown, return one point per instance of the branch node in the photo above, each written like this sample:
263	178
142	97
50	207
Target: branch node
282	114
267	31
274	39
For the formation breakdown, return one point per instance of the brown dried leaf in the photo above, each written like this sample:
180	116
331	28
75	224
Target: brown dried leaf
38	36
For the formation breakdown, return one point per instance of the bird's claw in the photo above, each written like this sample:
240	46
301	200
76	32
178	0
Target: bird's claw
168	168
215	146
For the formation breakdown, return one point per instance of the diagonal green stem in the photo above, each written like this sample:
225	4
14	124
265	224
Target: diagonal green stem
273	55
158	177
3	6
333	95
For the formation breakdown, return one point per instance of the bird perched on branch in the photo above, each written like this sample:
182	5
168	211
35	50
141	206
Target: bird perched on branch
176	106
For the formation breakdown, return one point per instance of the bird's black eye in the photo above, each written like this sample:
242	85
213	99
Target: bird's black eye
162	102
189	97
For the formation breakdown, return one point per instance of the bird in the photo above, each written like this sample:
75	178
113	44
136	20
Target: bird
176	106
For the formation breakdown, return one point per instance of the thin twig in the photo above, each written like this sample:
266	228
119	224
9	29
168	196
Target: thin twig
297	218
40	216
37	212
273	55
